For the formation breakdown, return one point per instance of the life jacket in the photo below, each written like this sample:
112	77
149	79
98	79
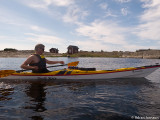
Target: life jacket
41	65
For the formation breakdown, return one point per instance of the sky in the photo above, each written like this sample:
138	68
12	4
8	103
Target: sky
92	25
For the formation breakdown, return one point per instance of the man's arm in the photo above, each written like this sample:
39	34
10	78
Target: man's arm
26	63
54	62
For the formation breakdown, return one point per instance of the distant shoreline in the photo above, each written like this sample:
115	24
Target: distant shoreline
147	54
24	54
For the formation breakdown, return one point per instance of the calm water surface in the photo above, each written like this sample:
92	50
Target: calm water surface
112	99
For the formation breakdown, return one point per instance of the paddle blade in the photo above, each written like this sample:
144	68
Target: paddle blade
5	73
73	63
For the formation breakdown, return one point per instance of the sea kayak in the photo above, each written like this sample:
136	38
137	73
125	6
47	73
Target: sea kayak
85	74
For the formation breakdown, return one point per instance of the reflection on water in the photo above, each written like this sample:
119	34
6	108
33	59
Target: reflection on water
5	93
37	95
111	99
108	99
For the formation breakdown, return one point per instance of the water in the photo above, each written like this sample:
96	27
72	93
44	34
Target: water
112	99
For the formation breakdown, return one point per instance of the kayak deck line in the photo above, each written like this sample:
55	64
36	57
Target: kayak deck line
73	72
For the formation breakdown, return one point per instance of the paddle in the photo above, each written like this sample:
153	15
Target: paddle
5	73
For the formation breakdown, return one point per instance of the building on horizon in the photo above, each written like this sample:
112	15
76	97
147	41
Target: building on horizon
54	50
72	49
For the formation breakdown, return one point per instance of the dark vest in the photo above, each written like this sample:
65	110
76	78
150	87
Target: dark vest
41	65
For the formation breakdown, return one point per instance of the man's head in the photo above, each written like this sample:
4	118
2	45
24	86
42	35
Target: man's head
39	46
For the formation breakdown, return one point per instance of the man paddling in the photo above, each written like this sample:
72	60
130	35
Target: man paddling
37	62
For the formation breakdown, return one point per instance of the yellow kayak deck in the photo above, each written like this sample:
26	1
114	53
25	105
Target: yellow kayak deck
74	72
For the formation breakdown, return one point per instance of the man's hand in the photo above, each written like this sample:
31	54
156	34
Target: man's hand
35	68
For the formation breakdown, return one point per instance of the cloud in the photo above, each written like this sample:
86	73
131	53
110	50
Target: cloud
13	20
123	1
3	37
152	11
103	6
124	11
149	27
8	16
109	14
103	31
17	22
45	39
66	10
9	41
61	2
131	47
74	15
92	45
50	7
19	46
150	3
149	30
36	28
89	46
45	3
108	35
